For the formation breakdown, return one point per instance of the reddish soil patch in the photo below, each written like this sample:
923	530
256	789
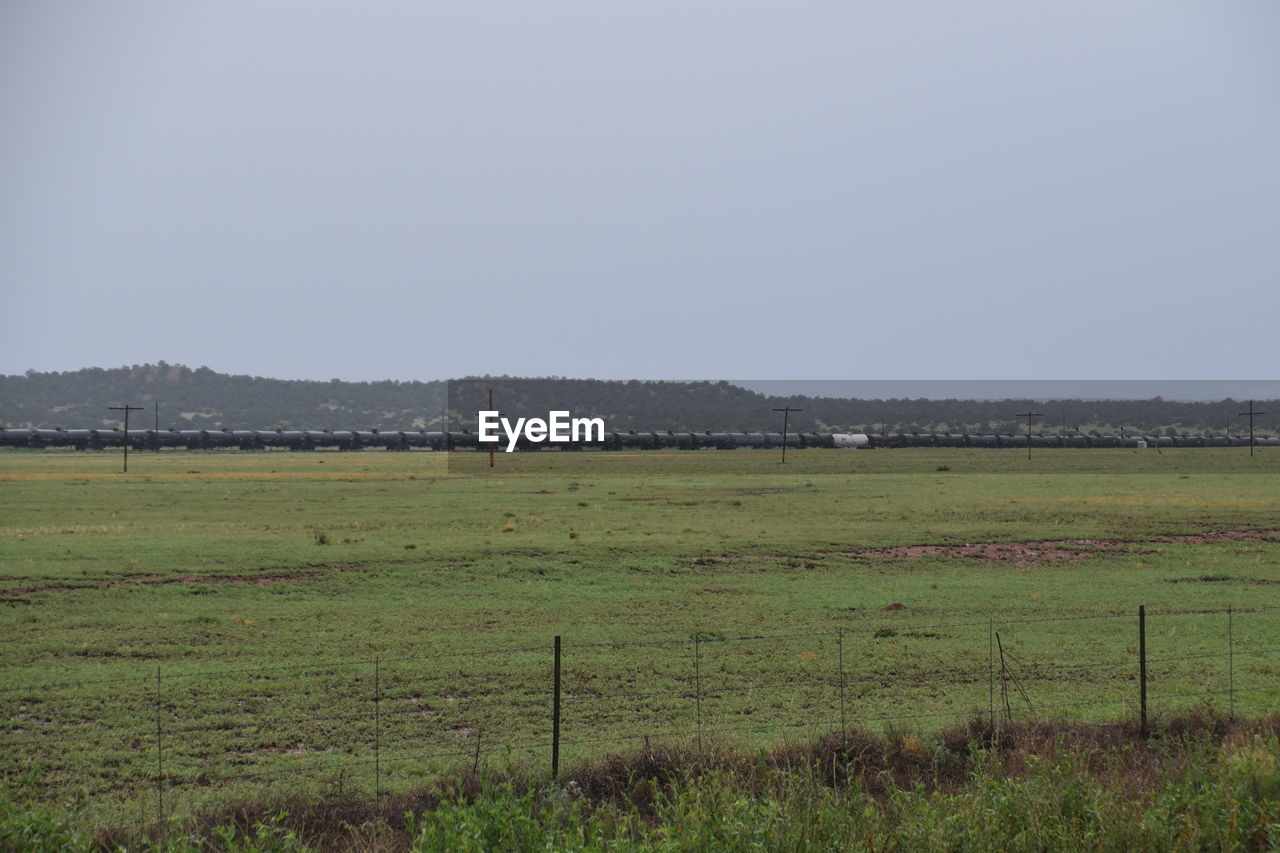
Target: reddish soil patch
260	580
712	559
1028	553
1014	553
14	596
1223	536
1056	550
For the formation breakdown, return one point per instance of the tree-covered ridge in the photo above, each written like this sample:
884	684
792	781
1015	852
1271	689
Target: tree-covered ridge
722	406
204	398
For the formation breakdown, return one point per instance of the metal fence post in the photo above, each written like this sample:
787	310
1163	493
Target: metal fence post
159	753
991	671
1142	663
1231	666
840	658
697	684
377	728
555	715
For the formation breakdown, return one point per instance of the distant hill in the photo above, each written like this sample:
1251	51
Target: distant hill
723	406
204	398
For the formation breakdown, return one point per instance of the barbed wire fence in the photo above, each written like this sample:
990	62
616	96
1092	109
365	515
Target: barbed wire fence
162	743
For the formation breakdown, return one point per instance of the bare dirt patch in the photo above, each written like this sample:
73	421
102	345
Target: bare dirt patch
1024	553
1012	553
17	595
1057	550
259	580
1215	537
713	559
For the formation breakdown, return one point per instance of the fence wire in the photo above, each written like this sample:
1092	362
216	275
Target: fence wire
384	724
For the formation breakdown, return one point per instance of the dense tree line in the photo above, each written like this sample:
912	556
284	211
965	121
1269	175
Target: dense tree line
722	406
204	398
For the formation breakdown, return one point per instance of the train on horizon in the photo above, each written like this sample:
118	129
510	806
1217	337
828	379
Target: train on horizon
403	440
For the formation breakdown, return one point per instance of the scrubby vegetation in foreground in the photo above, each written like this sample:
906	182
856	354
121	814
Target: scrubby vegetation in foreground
1200	783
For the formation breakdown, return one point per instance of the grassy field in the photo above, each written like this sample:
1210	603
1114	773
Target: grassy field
248	609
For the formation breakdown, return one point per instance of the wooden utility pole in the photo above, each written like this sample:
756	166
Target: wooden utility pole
786	415
1029	416
1250	413
126	409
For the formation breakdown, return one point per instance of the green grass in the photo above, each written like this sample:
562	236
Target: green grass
1222	800
1200	784
264	586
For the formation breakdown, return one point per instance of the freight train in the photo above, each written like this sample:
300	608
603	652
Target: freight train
308	439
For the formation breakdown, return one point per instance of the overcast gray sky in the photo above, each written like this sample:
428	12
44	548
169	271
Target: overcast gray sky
845	189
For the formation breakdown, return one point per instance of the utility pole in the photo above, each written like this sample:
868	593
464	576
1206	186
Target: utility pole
1251	413
156	437
126	409
786	414
1029	416
491	443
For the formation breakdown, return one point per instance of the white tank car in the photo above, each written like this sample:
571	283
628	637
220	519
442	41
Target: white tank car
850	439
